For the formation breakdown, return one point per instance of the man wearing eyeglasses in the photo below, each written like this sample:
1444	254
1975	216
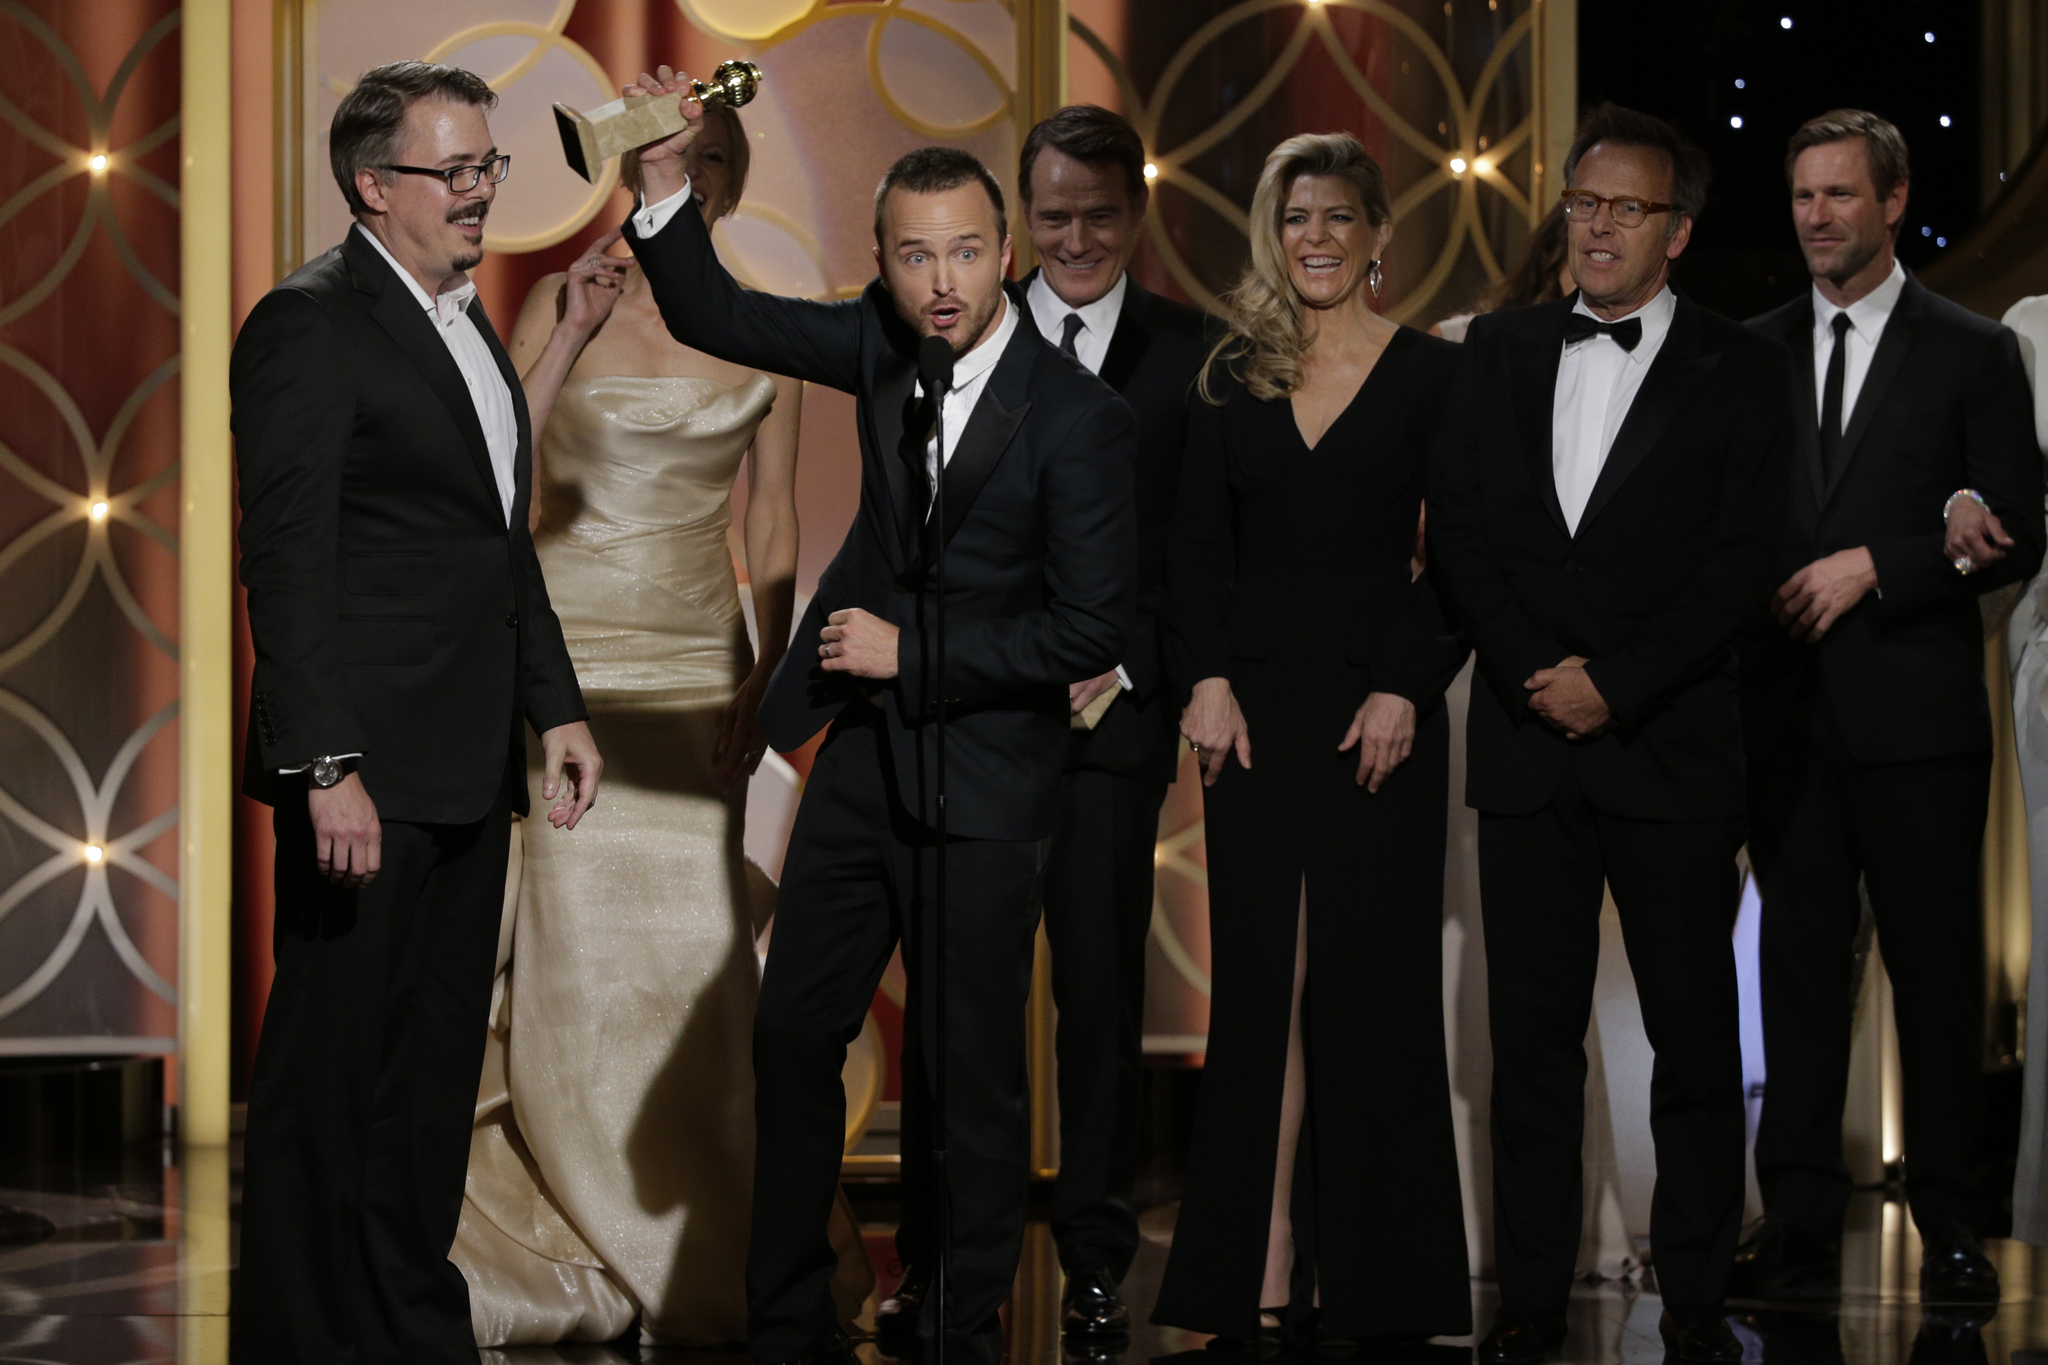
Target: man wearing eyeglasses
403	641
1603	512
1869	725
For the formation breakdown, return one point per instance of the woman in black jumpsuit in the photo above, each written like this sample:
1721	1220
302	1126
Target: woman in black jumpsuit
1300	626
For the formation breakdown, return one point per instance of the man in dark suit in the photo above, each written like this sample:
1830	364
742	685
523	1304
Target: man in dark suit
1040	543
1602	519
1869	729
1082	177
403	640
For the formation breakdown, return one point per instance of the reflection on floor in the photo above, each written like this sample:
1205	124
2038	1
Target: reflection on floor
131	1266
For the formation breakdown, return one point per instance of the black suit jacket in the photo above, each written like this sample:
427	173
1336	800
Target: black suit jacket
1672	554
1946	405
1154	357
394	611
1040	536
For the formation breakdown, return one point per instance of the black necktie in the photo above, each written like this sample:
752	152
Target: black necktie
1070	329
1627	334
1831	403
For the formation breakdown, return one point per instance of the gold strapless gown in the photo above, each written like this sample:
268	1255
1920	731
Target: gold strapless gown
611	1166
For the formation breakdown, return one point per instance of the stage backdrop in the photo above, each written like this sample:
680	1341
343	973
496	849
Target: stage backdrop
89	525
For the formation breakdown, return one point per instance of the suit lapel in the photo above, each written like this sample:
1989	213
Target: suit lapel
1680	367
895	375
1891	351
1128	344
1799	336
399	313
997	415
1535	399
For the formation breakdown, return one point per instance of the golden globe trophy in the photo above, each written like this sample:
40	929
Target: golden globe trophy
591	139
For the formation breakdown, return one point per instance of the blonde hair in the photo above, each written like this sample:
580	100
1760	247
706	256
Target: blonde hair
1268	334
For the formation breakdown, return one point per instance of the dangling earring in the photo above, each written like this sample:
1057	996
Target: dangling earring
1374	279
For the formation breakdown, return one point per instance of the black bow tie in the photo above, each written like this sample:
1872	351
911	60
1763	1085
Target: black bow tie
1627	333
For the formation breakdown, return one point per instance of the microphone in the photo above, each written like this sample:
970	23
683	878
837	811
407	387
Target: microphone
935	365
935	374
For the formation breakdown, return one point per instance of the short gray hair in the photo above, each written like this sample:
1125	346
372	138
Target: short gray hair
364	134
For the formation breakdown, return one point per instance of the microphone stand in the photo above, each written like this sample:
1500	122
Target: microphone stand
938	382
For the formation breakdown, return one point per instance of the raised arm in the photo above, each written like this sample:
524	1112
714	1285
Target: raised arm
700	302
294	411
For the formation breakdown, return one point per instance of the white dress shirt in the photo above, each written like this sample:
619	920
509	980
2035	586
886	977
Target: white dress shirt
970	377
1098	319
1867	317
1597	381
1091	343
449	312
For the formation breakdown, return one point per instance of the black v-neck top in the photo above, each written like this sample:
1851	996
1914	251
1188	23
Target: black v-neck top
1287	553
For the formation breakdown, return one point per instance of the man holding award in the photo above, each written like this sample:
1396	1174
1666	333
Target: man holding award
1040	547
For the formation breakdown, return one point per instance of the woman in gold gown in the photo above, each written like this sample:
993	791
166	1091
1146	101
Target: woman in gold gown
611	1163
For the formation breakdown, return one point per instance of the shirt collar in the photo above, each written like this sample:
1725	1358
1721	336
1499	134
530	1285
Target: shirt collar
446	306
1097	318
1868	314
1656	316
979	361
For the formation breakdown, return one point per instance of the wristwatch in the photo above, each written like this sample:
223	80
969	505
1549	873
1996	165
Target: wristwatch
326	772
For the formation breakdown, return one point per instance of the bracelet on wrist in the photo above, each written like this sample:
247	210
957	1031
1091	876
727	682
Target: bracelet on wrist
1972	494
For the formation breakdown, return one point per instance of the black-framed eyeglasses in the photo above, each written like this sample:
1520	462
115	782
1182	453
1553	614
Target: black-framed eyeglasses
462	179
1627	211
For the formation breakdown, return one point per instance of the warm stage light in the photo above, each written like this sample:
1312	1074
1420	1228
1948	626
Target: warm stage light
98	162
1151	171
1482	166
99	511
1457	165
94	853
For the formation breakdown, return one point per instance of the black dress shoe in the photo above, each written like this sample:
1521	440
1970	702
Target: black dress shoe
1704	1340
1954	1268
1778	1263
1091	1307
896	1316
1520	1341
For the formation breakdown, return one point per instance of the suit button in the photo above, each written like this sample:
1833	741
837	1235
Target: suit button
512	619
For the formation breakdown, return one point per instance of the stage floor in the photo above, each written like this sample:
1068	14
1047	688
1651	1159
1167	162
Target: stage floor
136	1272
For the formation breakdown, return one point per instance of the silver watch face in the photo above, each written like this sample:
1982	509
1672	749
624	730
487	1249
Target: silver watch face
326	773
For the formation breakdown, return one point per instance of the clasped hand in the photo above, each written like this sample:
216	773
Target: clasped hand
1564	698
858	642
1810	602
1974	533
